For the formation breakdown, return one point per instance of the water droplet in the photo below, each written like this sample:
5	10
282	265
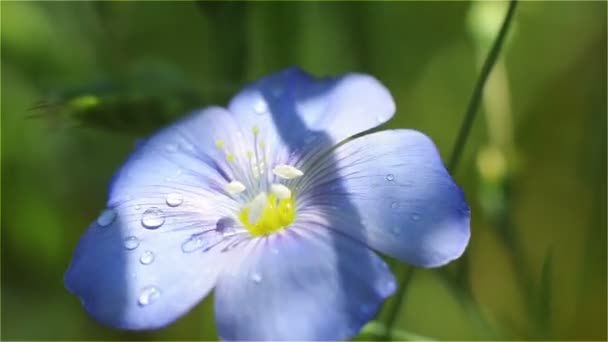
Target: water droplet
367	309
194	243
261	107
171	148
148	295
310	139
415	217
225	225
175	199
152	218
389	288
131	242
106	218
146	258
277	90
394	205
256	278
390	177
137	207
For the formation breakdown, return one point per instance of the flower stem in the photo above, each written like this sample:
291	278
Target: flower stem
404	282
469	117
473	106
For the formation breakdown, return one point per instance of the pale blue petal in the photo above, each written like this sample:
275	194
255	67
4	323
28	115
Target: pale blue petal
304	283
300	114
392	192
149	286
183	156
159	251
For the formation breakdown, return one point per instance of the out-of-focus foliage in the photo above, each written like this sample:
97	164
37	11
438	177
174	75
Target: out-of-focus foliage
82	81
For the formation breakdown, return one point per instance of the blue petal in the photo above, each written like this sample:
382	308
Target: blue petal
183	154
304	283
302	113
392	192
147	261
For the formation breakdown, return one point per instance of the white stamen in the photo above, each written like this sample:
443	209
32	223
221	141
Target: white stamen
235	187
280	190
287	171
256	207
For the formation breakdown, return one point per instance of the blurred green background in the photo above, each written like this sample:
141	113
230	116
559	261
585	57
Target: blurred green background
81	81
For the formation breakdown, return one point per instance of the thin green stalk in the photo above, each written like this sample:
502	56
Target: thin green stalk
473	106
469	117
404	282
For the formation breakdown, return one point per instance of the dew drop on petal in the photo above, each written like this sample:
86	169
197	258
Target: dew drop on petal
106	218
152	218
175	199
225	226
256	278
260	108
277	90
146	258
193	244
387	287
148	295
310	139
171	148
390	177
131	242
366	309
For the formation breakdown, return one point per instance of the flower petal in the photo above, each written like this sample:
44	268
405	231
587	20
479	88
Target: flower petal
190	155
132	277
395	184
145	262
304	283
303	113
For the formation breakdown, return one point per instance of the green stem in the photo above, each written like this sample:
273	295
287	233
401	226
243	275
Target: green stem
473	106
404	281
463	134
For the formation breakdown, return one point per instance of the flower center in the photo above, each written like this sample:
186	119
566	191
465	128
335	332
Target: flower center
269	205
267	214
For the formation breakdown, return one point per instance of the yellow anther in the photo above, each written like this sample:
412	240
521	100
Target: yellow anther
262	144
219	143
249	155
230	157
255	130
275	215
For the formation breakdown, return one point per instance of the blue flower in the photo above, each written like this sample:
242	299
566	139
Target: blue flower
271	204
